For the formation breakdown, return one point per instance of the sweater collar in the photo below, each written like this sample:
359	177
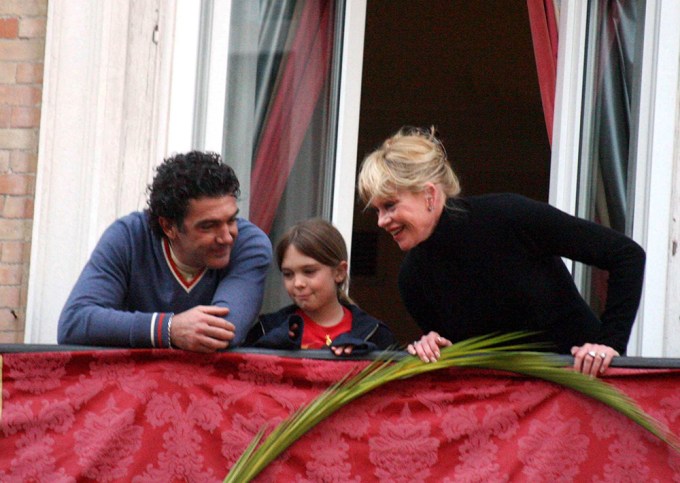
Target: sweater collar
455	213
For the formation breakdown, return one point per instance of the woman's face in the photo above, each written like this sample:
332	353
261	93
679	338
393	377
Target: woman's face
409	217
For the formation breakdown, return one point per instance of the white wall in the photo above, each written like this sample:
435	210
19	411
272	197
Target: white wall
102	130
657	137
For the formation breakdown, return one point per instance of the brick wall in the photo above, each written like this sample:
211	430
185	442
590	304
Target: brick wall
22	47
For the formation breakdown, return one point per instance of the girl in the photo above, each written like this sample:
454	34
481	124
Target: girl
312	257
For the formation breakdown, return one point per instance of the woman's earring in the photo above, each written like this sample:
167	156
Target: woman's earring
429	204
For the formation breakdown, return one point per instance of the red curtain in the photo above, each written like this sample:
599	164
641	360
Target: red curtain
164	415
545	40
303	76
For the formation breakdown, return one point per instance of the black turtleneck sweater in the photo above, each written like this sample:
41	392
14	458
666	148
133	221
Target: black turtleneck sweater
493	264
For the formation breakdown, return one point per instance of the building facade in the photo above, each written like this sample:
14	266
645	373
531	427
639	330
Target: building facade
22	53
127	83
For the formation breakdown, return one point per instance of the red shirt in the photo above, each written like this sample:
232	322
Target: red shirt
315	336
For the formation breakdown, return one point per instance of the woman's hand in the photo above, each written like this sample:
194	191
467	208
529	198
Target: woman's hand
592	359
427	348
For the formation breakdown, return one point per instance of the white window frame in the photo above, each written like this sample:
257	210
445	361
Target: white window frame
655	151
342	214
184	81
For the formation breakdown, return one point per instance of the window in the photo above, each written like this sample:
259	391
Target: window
609	126
652	131
266	88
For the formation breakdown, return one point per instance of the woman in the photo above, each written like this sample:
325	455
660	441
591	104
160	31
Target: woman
492	263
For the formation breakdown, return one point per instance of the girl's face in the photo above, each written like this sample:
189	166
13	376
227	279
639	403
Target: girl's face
311	284
409	217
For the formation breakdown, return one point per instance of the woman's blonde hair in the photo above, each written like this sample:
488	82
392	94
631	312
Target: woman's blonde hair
320	240
407	161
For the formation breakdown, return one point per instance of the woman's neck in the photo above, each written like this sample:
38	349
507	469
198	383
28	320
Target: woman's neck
436	214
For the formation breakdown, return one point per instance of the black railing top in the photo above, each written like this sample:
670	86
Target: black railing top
625	362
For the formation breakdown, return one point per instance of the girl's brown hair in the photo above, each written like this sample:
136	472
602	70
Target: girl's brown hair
320	240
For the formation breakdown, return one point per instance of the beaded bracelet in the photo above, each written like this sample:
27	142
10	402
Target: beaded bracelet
170	333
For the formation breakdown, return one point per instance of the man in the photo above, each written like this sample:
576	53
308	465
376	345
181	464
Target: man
186	273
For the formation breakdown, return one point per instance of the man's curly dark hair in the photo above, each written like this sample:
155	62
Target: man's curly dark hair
182	177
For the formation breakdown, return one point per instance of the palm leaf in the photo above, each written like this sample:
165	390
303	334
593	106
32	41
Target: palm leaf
499	352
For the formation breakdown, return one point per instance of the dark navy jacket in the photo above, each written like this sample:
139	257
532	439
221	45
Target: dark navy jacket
367	334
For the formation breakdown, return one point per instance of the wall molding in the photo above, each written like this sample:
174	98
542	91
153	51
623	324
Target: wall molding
103	129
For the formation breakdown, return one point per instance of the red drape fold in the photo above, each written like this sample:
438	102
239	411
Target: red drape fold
301	82
545	40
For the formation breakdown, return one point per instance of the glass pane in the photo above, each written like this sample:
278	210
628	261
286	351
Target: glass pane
279	115
607	164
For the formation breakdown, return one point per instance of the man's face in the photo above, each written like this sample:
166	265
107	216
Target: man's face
208	232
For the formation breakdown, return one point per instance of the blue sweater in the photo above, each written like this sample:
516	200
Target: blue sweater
127	292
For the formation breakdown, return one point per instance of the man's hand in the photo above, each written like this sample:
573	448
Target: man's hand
202	329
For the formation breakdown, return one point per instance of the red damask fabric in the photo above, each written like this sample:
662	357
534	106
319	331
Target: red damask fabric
163	415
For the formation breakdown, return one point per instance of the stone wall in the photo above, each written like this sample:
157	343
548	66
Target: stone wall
22	52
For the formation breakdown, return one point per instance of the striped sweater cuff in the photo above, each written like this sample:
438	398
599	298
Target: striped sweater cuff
158	331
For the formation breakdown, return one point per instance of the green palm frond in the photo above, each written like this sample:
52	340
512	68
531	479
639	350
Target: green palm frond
499	352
